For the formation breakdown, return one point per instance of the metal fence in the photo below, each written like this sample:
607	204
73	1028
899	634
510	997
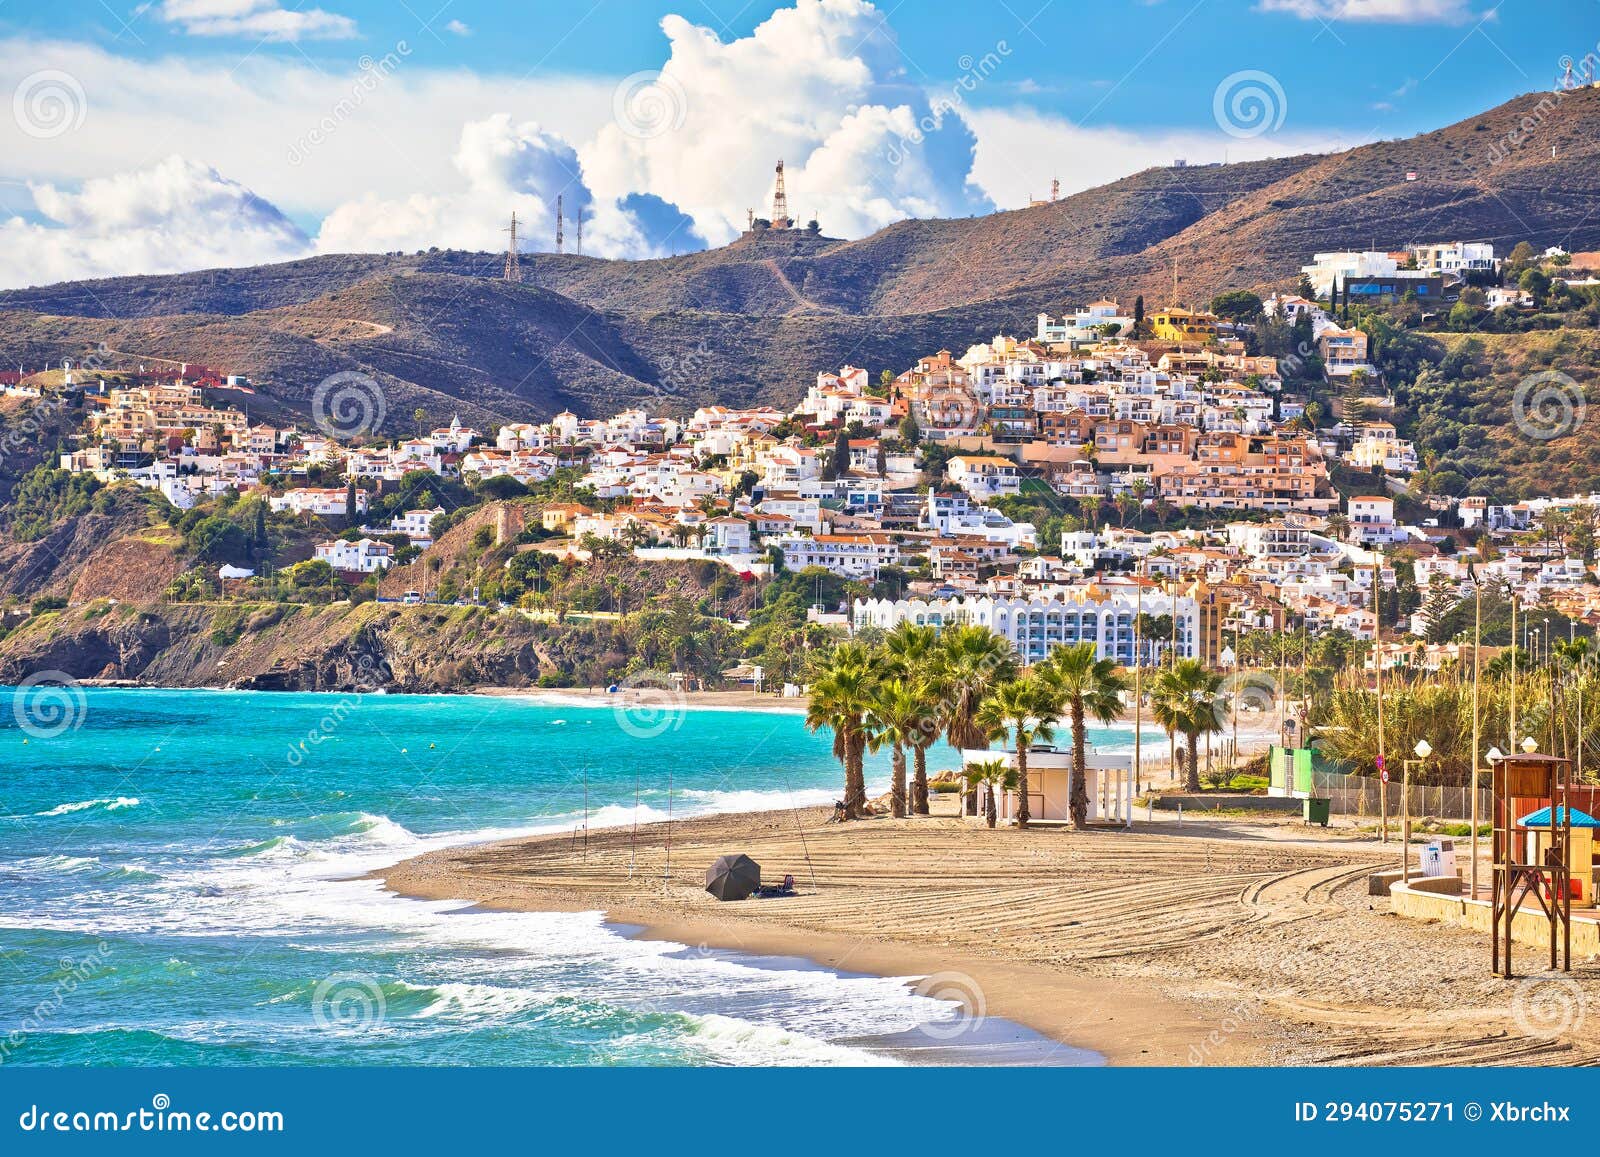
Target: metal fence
1361	795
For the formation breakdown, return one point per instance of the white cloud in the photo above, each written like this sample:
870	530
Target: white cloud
506	167
458	28
358	155
1378	11
818	85
172	216
255	121
1020	151
261	19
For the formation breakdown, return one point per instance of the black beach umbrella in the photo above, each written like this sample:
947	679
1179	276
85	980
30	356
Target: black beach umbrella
733	877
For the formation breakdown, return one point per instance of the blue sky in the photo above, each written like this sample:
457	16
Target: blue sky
1159	55
279	127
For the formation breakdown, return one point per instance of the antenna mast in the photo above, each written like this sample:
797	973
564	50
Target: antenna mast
513	265
780	203
580	231
558	223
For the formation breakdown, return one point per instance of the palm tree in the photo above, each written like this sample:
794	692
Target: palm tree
898	715
913	653
1026	708
972	661
841	696
1184	701
1090	686
997	775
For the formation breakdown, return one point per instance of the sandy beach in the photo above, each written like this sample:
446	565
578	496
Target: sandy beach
1245	940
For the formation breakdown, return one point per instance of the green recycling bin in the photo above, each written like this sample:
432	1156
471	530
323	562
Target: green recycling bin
1315	810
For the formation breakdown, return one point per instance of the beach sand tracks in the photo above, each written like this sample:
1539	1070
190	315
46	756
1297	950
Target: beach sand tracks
1275	930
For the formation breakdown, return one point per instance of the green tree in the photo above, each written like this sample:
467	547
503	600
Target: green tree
1090	686
996	775
896	719
1025	708
913	654
1184	702
1237	305
841	697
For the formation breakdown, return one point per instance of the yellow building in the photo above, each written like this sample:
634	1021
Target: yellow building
1183	325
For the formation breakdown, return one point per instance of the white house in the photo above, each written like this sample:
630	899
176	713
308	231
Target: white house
416	524
520	436
1107	778
1372	521
324	502
361	557
727	536
1455	258
984	475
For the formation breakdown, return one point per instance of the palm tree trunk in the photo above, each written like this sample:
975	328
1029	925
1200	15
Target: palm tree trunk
855	800
1191	769
1022	784
1078	796
989	808
897	788
919	782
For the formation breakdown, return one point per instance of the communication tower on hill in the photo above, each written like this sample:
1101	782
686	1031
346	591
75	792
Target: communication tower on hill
780	203
513	265
559	238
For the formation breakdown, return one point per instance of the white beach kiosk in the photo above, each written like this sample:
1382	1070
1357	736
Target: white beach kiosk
1109	780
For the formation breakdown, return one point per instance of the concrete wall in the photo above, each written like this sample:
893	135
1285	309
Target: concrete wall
1527	927
1219	799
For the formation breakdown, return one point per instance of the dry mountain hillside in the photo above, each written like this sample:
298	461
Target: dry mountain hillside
752	321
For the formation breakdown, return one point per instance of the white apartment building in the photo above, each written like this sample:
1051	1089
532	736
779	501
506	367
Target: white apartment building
857	556
1099	614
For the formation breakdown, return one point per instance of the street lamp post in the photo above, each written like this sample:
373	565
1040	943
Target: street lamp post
1423	749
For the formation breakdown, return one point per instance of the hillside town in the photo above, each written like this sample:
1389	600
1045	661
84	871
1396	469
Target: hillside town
1119	475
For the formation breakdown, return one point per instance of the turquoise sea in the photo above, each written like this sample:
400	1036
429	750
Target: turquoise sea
178	886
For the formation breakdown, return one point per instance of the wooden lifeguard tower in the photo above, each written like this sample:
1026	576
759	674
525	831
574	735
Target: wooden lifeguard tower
1531	860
